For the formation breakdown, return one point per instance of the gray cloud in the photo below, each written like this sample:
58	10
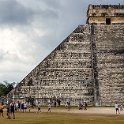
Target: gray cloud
12	12
34	28
2	55
53	4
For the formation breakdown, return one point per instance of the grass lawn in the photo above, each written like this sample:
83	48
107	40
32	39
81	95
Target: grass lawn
62	118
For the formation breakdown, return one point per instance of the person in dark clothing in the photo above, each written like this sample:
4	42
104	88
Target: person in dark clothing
55	104
80	106
22	107
8	111
85	106
59	102
12	110
19	105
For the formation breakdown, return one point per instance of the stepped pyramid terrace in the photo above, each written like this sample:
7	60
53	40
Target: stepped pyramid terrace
88	66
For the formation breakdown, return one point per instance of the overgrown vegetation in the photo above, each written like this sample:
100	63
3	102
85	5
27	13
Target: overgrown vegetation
5	88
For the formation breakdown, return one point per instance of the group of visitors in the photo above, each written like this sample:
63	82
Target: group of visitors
10	110
18	106
82	106
21	106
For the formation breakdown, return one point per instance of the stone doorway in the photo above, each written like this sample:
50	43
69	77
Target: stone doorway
108	21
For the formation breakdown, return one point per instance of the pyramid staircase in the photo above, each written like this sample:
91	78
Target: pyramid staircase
65	74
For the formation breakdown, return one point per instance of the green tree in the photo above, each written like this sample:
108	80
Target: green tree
2	89
5	88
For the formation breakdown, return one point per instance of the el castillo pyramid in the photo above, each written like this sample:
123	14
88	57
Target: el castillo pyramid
88	66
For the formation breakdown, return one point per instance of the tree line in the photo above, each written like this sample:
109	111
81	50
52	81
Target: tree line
5	88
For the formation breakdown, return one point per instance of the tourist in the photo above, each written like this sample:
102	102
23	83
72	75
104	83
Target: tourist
16	106
25	107
80	106
85	106
68	105
22	107
117	108
19	106
1	110
59	102
49	107
12	110
121	107
54	103
29	107
8	111
38	107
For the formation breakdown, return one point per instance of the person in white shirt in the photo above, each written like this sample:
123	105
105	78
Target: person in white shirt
117	108
25	106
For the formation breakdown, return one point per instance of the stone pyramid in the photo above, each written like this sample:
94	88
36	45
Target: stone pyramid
88	66
65	74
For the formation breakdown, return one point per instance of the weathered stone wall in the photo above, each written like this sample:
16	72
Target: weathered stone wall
109	42
97	14
102	20
65	74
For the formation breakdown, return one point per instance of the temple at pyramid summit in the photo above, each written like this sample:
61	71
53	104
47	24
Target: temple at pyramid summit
88	66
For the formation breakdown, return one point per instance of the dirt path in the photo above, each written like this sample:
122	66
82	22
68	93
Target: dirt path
90	110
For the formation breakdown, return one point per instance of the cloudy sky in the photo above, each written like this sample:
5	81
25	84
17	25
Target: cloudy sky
31	29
